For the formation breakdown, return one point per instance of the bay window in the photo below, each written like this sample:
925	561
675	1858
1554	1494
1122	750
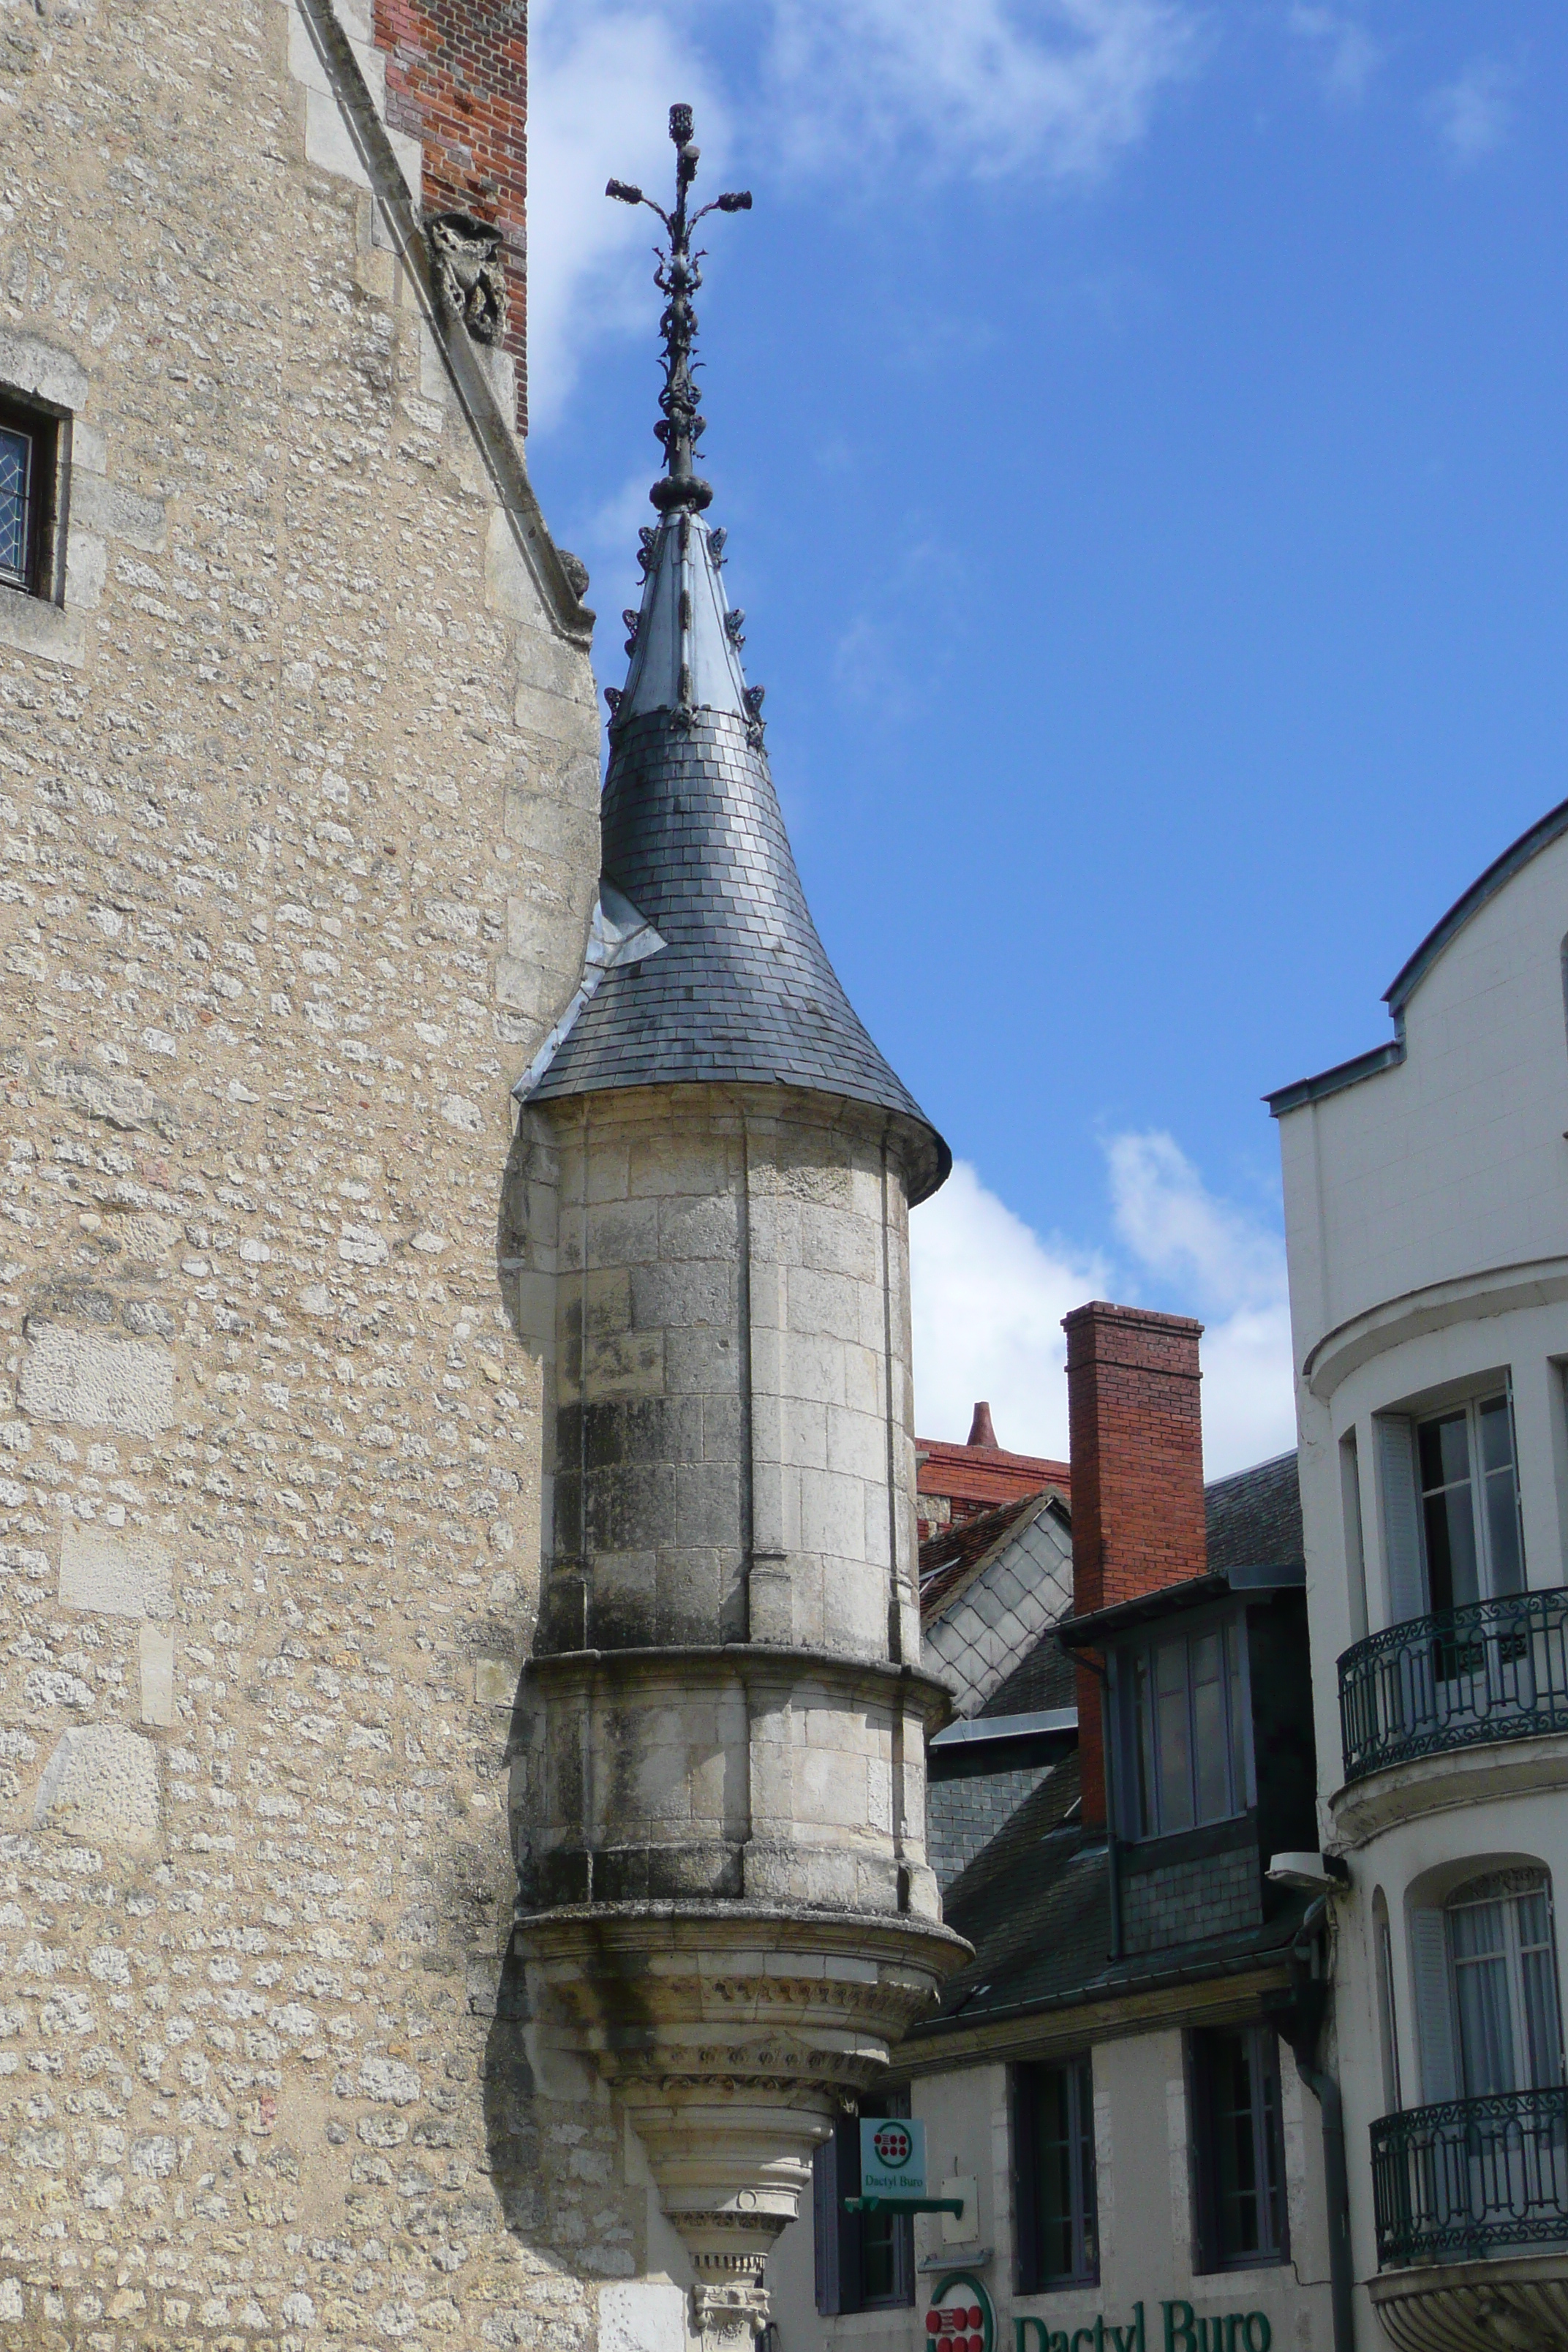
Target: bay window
1185	1721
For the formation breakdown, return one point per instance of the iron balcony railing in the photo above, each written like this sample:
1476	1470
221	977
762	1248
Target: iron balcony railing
1471	2177
1496	1670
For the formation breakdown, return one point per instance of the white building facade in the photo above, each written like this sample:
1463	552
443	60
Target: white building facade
1426	1213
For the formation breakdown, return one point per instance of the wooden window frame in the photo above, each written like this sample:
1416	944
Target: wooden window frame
1209	2253
1083	2217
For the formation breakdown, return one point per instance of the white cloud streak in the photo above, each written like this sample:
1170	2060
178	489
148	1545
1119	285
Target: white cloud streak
1347	56
602	79
989	1295
1473	115
987	87
992	86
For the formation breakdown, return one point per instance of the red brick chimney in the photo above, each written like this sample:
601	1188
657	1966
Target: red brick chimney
1136	1442
456	79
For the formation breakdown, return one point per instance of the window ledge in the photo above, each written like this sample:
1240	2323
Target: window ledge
28	624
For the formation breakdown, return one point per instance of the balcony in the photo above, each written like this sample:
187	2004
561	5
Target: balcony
1463	1678
1471	2204
1471	2178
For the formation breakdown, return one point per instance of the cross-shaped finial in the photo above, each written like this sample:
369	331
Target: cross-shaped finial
677	277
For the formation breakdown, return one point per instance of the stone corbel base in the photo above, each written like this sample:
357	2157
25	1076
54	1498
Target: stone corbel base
732	2315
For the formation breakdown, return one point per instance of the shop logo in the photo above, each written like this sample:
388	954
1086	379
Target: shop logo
892	2157
961	2318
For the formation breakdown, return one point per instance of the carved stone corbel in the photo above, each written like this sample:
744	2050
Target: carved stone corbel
469	275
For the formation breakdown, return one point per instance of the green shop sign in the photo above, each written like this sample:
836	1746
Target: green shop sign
1223	2331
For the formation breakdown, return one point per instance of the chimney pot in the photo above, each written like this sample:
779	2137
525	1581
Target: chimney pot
980	1430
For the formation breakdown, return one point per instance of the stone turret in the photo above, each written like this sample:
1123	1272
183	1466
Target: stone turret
718	1781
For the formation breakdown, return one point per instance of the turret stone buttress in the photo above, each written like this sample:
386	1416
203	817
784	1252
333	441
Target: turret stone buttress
719	1775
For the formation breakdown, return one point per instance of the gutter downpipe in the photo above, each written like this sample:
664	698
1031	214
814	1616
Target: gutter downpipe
1325	2089
1112	1853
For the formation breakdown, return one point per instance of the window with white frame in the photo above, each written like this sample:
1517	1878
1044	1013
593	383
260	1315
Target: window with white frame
1185	1719
1486	1988
1452	1529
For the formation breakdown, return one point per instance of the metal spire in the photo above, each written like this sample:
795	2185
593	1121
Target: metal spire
677	277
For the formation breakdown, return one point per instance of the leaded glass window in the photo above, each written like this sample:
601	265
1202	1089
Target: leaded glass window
18	463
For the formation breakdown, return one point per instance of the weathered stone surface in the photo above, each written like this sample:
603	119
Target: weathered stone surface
101	1782
118	1575
157	1674
96	1382
263	806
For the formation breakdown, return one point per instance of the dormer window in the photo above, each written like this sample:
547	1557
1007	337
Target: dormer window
1187	1730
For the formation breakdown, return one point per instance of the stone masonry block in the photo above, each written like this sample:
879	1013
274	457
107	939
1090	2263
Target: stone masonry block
832	1514
94	1382
157	1674
101	1782
117	1574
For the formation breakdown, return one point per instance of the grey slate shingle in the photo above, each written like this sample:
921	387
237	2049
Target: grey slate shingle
693	835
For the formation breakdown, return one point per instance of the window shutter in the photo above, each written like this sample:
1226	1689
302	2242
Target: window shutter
825	2225
1401	1519
1434	2006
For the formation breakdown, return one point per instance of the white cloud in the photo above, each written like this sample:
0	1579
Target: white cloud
990	86
1347	54
1472	116
989	1296
1177	1229
1227	1266
986	86
602	80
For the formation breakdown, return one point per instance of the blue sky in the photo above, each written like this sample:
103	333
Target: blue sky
1140	426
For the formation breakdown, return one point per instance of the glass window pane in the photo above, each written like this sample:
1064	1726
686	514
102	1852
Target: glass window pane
1174	1736
15	466
1144	1703
1233	2092
1497	1434
1481	1984
1542	2035
1210	1744
1507	1553
1445	1451
1270	2140
1088	2194
1449	1512
877	2256
1053	2173
1240	1725
1244	2158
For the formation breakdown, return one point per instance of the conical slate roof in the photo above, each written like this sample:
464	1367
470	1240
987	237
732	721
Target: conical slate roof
738	986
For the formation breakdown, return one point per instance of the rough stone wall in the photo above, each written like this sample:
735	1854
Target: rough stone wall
732	1330
298	839
724	1275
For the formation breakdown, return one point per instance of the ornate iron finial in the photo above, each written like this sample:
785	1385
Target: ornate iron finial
677	277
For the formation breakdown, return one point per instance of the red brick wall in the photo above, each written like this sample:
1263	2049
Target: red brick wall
456	79
1136	1439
